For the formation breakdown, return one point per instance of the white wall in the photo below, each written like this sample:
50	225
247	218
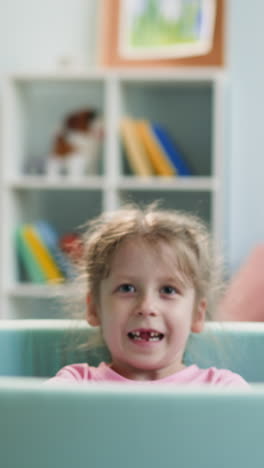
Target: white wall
246	152
37	34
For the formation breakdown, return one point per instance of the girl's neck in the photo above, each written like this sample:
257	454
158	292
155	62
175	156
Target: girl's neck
144	375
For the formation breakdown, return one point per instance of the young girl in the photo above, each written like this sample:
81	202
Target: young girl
150	277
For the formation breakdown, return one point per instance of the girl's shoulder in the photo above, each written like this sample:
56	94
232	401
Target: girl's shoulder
211	375
80	372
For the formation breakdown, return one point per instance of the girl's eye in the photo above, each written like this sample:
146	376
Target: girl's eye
170	290
126	288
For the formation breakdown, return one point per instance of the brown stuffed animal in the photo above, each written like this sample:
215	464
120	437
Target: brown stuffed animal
75	150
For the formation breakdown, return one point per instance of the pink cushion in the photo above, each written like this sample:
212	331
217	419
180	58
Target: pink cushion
244	298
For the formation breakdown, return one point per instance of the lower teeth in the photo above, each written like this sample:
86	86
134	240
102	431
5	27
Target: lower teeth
138	338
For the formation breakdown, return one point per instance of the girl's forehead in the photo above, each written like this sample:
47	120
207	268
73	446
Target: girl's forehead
138	257
137	248
140	243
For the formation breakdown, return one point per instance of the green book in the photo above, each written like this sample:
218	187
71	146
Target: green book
28	259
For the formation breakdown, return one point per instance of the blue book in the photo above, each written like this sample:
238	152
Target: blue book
50	238
170	150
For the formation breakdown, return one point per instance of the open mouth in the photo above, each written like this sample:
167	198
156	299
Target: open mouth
145	335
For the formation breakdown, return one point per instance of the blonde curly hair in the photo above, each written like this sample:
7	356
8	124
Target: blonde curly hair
186	233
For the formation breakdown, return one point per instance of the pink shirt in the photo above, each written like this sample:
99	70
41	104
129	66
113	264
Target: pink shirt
189	375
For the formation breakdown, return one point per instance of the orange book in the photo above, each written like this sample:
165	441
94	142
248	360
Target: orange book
135	151
158	158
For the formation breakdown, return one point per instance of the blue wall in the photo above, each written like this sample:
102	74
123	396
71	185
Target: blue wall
35	35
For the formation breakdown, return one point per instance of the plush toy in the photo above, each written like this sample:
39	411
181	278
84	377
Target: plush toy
71	245
75	149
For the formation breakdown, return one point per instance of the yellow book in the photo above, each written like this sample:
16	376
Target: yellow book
42	255
158	158
135	151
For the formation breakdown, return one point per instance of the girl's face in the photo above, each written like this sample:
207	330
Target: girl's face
146	311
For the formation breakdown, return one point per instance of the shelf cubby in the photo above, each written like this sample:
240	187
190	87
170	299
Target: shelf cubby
189	102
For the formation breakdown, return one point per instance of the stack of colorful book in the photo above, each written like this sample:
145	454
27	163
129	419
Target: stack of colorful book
150	150
40	255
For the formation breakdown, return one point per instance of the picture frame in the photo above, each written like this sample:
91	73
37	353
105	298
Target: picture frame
165	28
109	54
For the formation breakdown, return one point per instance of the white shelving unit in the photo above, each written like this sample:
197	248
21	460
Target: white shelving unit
188	101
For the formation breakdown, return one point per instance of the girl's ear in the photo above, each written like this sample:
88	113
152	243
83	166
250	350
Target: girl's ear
92	315
199	317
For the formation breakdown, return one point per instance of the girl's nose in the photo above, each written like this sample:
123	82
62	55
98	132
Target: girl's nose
146	307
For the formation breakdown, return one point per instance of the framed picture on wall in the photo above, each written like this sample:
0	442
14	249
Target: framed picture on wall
165	28
132	33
